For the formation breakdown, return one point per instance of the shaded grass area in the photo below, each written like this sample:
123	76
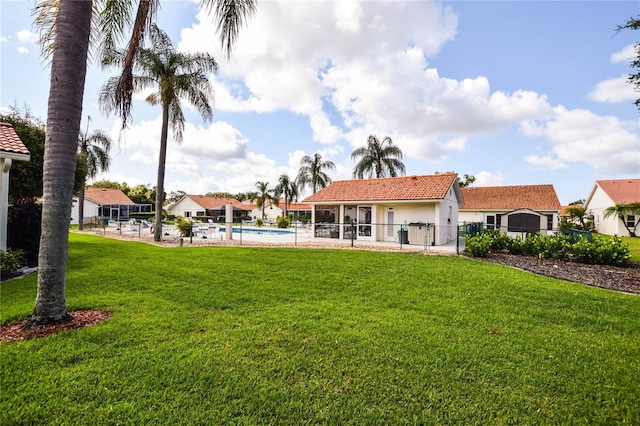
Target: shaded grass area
212	335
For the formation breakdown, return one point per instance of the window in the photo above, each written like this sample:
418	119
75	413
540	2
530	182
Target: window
549	222
491	222
524	222
187	214
498	221
631	221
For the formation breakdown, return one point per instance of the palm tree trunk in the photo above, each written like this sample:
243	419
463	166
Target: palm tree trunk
157	236
68	71
81	209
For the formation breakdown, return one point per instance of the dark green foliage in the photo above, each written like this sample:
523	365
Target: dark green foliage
601	251
184	226
142	215
10	262
283	222
24	219
598	251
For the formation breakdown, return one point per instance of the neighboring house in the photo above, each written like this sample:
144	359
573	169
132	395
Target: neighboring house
271	211
513	209
11	149
106	204
214	207
607	193
426	207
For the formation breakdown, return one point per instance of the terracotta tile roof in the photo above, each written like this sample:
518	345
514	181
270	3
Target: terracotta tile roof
621	191
534	197
10	141
299	206
104	196
217	202
426	187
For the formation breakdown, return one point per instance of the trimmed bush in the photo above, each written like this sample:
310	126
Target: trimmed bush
479	245
283	222
602	251
24	220
10	262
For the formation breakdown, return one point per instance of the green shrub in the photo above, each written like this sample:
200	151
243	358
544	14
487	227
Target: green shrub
258	222
305	219
183	226
10	262
550	247
142	215
283	222
602	251
516	245
479	245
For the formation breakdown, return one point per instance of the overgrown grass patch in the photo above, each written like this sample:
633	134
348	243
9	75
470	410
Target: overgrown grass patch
219	335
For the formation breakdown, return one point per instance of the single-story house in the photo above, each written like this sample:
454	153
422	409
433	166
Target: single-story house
271	210
607	193
214	207
11	149
411	209
513	209
106	204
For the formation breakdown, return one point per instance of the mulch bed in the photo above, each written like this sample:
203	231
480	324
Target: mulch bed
78	319
625	279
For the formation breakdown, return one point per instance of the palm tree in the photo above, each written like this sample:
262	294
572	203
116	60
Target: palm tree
377	158
287	188
263	195
577	212
622	211
176	76
311	172
66	28
68	71
94	152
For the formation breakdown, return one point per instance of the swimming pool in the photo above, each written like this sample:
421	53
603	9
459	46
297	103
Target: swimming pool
238	230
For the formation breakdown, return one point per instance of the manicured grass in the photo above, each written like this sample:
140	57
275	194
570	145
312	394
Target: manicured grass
206	335
634	247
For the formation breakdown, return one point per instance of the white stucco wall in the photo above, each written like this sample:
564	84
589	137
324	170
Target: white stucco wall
185	205
598	203
90	210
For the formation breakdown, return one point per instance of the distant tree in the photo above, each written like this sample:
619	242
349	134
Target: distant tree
220	194
25	180
174	197
634	78
311	173
263	195
93	153
142	194
286	188
377	159
464	181
622	211
579	202
111	184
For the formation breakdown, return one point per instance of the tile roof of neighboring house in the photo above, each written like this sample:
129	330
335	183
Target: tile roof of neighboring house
407	188
621	191
104	196
217	202
534	197
299	206
10	142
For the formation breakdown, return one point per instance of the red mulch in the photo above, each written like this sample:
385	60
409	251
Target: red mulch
79	319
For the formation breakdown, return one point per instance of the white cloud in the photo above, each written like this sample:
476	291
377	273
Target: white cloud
603	142
4	39
27	37
23	50
484	178
624	55
613	90
545	163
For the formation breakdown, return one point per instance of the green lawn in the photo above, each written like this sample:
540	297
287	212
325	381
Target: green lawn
634	247
221	335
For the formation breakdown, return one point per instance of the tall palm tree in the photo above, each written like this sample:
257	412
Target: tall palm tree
263	195
311	172
176	76
622	211
64	111
66	27
94	152
287	189
378	159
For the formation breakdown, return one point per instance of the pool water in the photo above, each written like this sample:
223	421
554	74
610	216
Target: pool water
237	230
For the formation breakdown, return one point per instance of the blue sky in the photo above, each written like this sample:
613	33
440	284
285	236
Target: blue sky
511	92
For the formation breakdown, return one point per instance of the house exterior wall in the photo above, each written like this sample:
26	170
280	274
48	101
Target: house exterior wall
186	208
90	210
271	213
598	203
469	216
